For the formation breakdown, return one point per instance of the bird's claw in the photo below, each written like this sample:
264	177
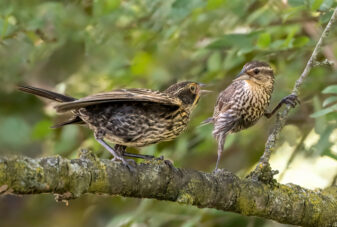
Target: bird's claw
161	158
169	163
130	163
291	100
216	170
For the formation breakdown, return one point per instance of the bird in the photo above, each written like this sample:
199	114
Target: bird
244	102
133	117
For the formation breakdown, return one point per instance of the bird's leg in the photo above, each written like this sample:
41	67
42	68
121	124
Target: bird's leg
115	153
291	100
143	156
122	149
221	142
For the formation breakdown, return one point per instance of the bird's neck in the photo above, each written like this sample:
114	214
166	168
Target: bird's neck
267	86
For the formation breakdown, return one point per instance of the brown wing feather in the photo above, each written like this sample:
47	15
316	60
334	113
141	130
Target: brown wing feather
224	98
122	95
222	103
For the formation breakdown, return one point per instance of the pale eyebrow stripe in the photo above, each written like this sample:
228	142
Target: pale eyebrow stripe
261	68
268	71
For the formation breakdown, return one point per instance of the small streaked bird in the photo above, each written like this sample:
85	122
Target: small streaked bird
244	102
129	117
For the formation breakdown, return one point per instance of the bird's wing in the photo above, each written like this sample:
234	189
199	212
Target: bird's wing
225	117
222	103
224	98
225	122
122	95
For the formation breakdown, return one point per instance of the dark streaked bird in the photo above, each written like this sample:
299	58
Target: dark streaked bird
244	102
129	117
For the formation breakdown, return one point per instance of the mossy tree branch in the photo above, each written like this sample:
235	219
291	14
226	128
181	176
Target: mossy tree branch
157	179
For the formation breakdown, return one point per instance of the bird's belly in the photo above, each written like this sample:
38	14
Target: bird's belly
252	108
135	126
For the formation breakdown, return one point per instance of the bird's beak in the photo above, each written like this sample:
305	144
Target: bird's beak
204	92
203	85
242	76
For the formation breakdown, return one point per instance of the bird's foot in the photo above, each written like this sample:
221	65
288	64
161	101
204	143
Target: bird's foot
217	170
130	163
291	100
161	158
221	172
167	162
142	156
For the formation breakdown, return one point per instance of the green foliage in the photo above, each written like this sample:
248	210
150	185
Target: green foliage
329	104
82	47
329	114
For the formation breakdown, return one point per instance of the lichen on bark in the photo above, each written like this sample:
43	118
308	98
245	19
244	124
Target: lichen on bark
70	179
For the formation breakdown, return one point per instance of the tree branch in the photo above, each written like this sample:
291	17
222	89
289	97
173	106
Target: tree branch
263	170
156	179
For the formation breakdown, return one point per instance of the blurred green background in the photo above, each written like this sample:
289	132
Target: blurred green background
82	47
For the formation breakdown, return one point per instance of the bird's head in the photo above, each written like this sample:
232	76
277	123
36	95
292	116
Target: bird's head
188	92
257	72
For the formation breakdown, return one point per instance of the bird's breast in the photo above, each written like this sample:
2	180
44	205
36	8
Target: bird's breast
250	102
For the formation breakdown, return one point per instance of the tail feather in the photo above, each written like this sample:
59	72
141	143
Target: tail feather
207	121
74	120
45	93
53	96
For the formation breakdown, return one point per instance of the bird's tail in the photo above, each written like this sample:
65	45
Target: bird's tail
207	121
52	96
45	93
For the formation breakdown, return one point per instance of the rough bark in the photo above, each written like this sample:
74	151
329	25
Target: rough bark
157	179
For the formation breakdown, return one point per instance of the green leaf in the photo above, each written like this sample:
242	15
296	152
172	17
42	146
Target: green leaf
324	111
242	41
324	142
68	139
288	42
14	132
142	63
320	122
328	152
41	130
264	40
325	17
316	4
301	41
215	4
182	8
296	3
327	4
105	6
214	62
329	100
330	89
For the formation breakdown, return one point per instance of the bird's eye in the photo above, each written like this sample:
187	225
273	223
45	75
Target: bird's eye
193	88
256	71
